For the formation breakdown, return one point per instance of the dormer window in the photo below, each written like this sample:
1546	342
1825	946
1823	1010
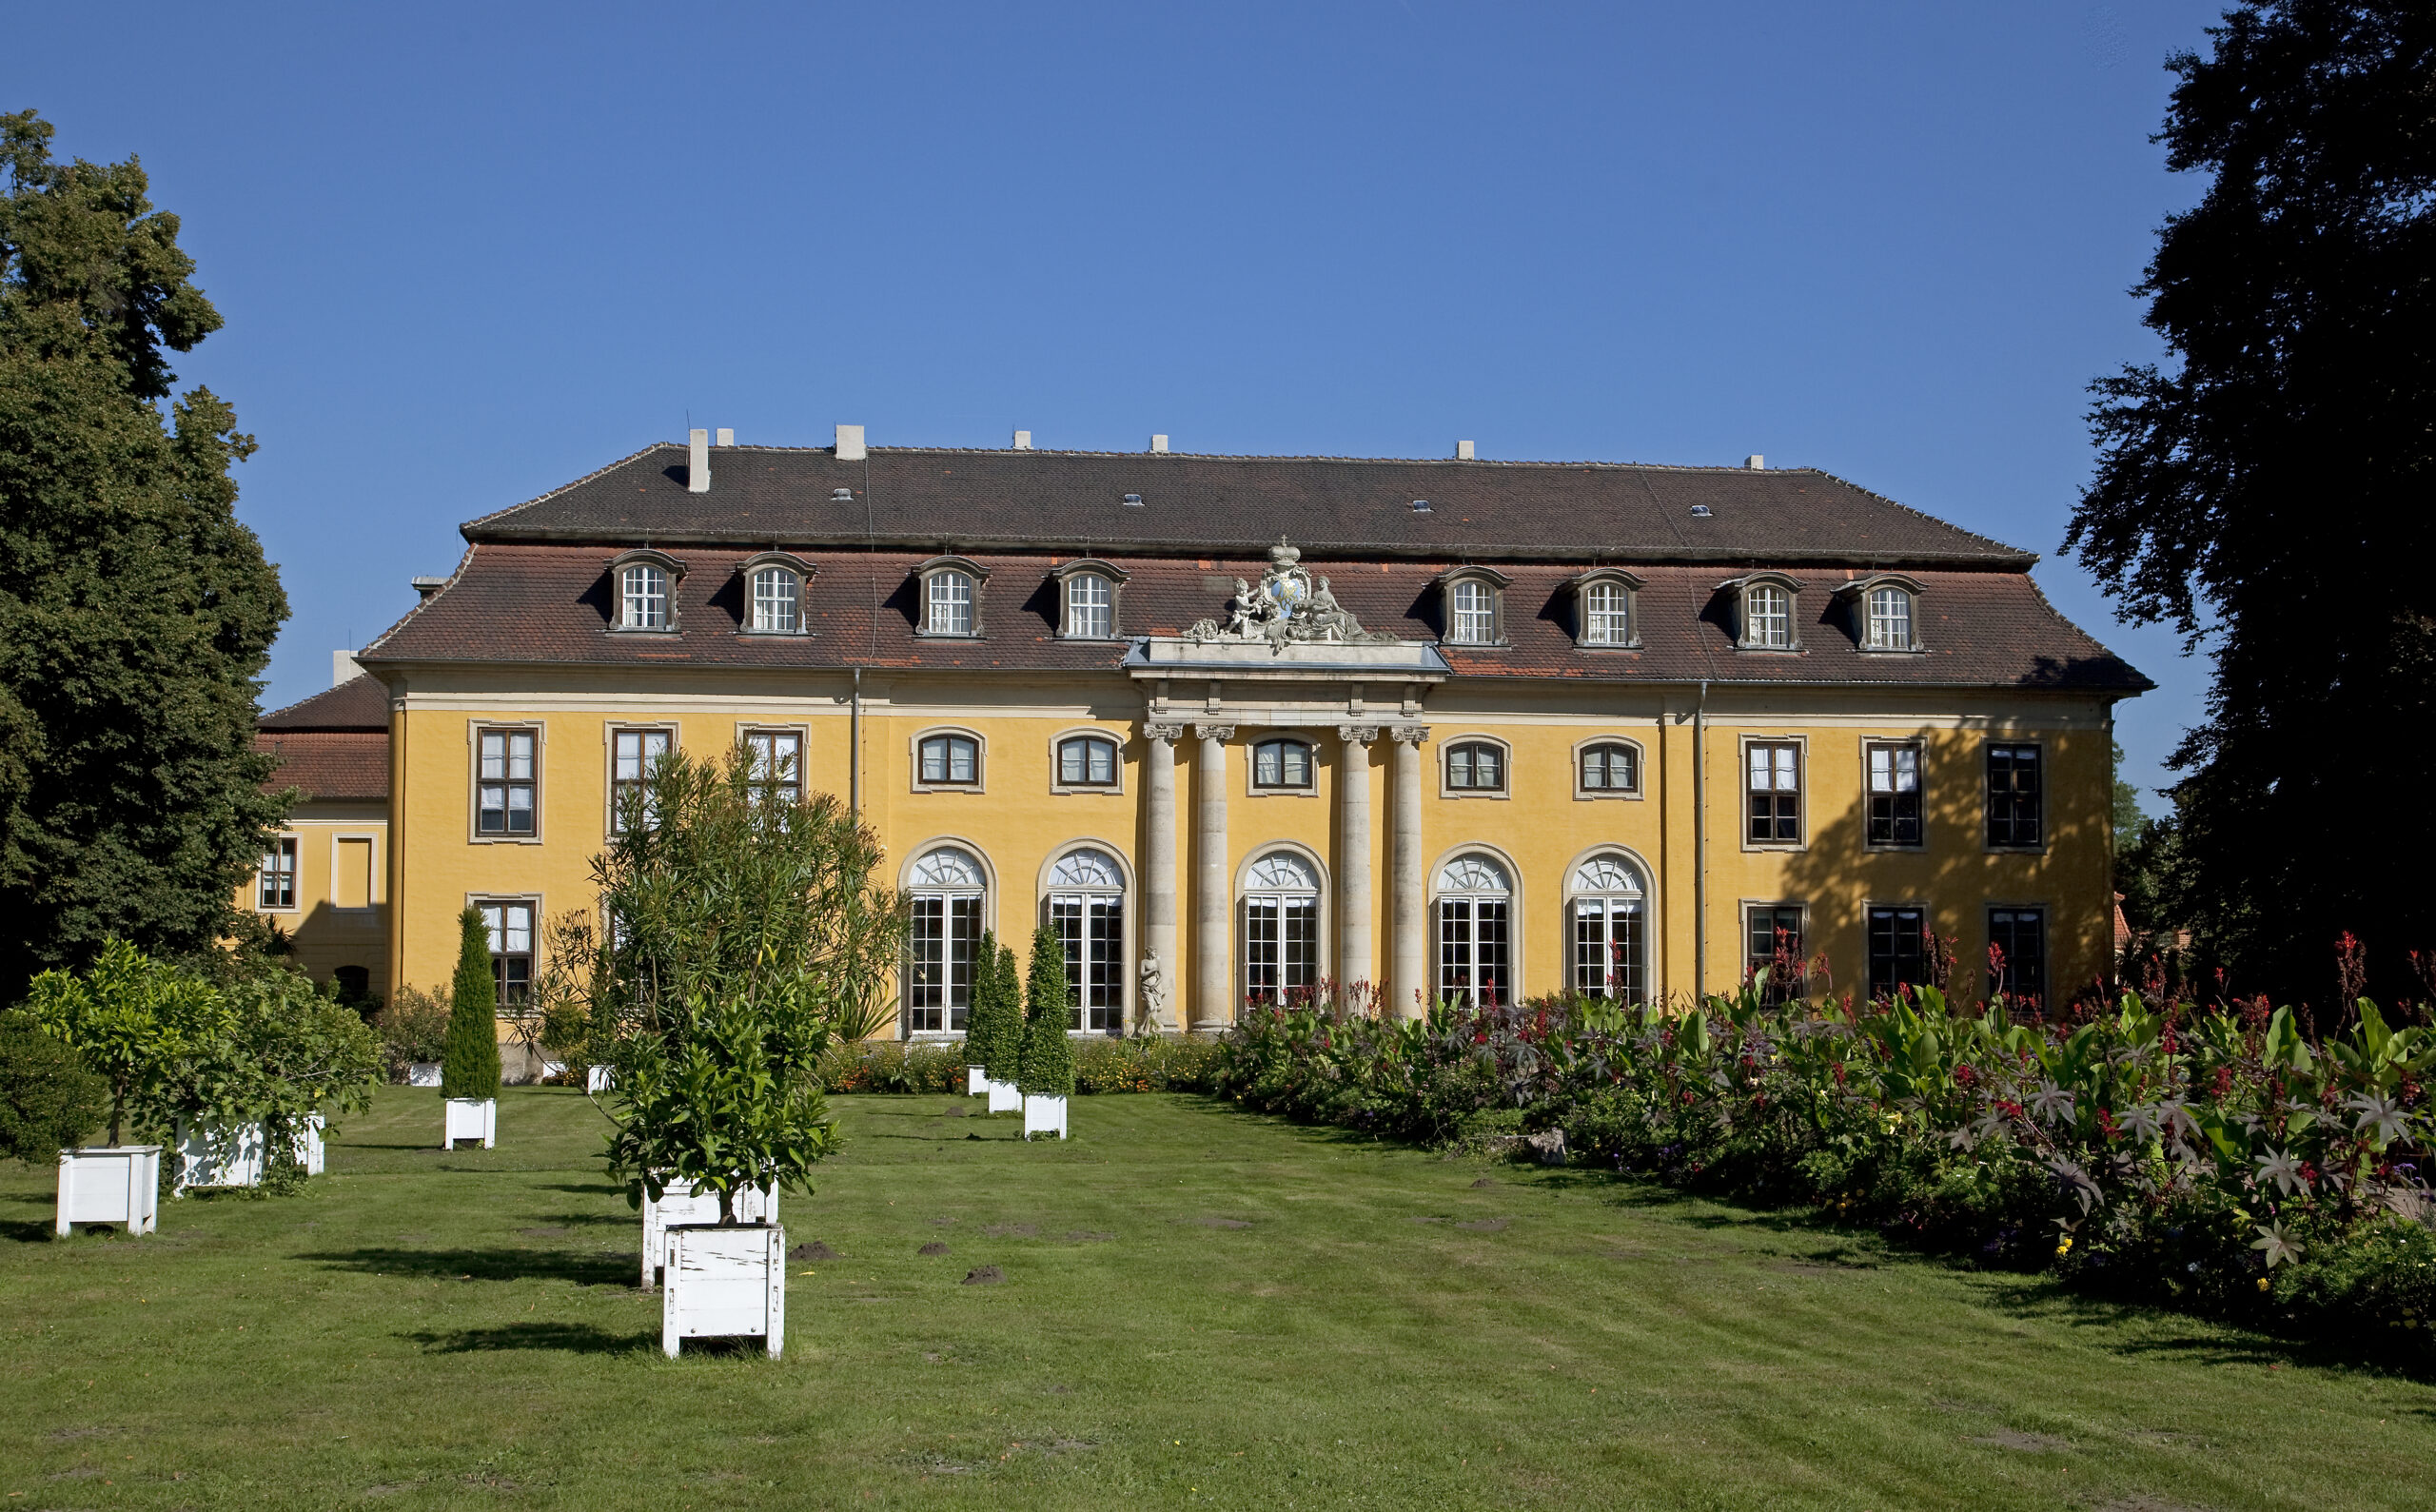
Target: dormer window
1885	612
951	596
644	584
1475	606
1604	608
1086	595
1765	605
775	583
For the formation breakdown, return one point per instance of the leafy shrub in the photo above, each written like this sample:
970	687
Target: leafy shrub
892	1065
49	1099
413	1027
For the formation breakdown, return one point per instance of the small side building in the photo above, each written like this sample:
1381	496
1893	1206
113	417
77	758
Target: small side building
323	877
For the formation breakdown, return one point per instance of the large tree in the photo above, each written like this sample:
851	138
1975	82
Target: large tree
2269	490
135	612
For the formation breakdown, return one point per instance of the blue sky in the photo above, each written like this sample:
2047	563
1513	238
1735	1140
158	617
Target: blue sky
467	253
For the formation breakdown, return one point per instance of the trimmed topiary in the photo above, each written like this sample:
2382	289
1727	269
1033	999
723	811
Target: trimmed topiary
998	1012
469	1063
1049	1056
49	1099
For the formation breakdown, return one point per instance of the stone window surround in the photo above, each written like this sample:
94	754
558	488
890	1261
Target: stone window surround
1640	770
1120	738
923	574
1583	584
1064	575
980	782
804	572
644	556
475	729
1856	595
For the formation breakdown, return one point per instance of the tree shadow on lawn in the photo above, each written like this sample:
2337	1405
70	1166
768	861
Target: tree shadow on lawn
592	1269
2161	1332
568	1338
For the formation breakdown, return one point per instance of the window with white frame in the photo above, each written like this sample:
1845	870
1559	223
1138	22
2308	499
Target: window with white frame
276	888
1606	614
634	755
1773	786
1604	931
774	762
1281	921
950	761
1890	618
949	611
777	601
945	890
1086	909
1475	947
1767	617
1087	762
1472	619
1895	794
509	924
642	597
505	792
1090	607
1282	764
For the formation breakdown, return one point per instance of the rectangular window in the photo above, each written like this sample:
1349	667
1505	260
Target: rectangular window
1280	946
2017	953
1773	943
2013	793
1474	962
510	924
1774	778
1895	796
633	753
1087	762
505	803
1092	928
1089	606
1606	615
1606	948
950	604
1281	764
277	887
1475	614
946	931
775	761
952	759
1899	949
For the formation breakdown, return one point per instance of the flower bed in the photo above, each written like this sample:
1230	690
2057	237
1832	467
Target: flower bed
2218	1160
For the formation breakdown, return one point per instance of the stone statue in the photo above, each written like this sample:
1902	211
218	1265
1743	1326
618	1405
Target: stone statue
1287	608
1151	1016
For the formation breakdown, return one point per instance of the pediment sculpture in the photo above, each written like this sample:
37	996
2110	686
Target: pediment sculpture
1287	608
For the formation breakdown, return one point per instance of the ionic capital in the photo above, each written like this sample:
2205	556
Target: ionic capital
1214	732
1162	732
1357	733
1414	733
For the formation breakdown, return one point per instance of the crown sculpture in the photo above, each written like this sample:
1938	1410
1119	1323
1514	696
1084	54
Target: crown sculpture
1286	609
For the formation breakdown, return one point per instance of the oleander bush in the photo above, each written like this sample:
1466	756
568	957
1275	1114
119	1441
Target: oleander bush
2219	1159
413	1027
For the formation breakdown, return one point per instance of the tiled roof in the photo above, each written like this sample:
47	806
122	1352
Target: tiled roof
549	603
329	763
359	703
1073	503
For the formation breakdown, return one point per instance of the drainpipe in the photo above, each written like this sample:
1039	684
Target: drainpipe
1699	849
854	751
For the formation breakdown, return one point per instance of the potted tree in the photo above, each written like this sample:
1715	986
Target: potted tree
981	1023
49	1100
318	1057
1047	1073
1003	1042
126	1018
469	1064
747	939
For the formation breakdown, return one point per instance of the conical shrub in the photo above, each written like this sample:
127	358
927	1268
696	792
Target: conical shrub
1002	1046
1049	1056
469	1059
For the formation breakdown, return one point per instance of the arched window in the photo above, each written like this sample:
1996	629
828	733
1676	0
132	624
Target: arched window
1281	927
1767	617
949	611
1476	766
1087	762
1086	909
643	598
950	761
1090	607
1606	614
1603	945
777	601
1889	620
1282	764
946	888
1475	947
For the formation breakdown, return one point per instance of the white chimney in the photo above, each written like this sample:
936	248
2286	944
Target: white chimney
850	444
1158	443
727	437
1462	451
1023	440
698	464
1755	462
425	586
343	668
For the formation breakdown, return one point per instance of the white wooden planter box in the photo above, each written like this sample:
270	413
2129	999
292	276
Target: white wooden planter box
423	1073
553	1069
110	1184
977	1080
471	1118
680	1204
596	1079
725	1284
1004	1098
1043	1115
305	1143
220	1155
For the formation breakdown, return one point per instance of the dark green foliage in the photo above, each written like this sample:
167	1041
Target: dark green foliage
413	1027
981	1026
133	1019
996	1021
2270	485
469	1059
135	611
1049	1056
49	1099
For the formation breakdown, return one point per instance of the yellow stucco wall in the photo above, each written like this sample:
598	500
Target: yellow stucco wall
326	936
1016	824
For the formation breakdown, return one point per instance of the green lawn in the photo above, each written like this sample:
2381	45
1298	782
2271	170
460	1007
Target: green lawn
1201	1307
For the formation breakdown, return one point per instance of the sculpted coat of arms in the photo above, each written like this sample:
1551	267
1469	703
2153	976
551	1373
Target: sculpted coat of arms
1289	607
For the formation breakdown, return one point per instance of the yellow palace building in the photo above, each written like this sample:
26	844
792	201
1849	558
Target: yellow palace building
1237	726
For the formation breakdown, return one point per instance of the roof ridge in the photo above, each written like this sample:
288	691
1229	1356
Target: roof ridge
579	483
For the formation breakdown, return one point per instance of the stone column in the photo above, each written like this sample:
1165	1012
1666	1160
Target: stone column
1213	992
1353	959
1408	984
1159	865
